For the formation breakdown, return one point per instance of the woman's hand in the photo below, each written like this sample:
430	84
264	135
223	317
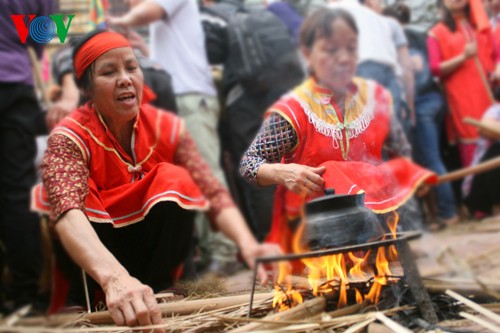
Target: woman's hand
470	50
301	179
58	111
132	303
254	250
423	189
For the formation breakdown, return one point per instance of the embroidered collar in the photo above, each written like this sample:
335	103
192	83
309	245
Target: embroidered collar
316	100
326	94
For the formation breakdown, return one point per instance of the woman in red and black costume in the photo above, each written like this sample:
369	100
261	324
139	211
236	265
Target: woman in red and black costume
121	181
331	132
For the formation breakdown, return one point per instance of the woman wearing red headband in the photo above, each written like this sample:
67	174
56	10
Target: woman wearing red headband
122	181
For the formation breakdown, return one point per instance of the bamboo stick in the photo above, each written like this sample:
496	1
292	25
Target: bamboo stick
302	311
13	318
378	328
435	286
483	125
480	321
348	310
472	170
359	326
37	74
167	309
391	323
485	312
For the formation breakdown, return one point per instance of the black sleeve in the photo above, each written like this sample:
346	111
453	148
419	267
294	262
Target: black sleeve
161	83
215	30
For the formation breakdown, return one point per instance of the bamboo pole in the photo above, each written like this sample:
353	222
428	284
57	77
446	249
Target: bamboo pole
167	309
359	326
485	312
436	286
484	125
37	75
472	170
391	323
305	310
480	321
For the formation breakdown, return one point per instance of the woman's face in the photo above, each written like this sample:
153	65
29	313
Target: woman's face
455	5
333	59
117	85
493	6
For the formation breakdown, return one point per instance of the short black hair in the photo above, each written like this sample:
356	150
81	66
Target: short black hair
399	11
85	81
319	24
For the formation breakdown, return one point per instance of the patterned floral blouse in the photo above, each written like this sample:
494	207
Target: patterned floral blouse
65	171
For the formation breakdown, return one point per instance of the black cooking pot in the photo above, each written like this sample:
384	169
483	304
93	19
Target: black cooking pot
339	220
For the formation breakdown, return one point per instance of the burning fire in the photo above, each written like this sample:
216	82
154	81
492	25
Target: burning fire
339	273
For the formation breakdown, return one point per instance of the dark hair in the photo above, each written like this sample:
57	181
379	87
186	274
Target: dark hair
496	92
399	11
319	24
85	81
447	17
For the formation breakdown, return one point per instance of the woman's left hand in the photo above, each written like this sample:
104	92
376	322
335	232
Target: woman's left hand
252	251
495	76
423	189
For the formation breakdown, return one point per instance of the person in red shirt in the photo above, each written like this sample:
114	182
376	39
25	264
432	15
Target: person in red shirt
493	7
463	55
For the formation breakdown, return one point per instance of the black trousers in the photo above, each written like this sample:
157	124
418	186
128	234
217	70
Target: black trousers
19	228
244	119
150	250
485	187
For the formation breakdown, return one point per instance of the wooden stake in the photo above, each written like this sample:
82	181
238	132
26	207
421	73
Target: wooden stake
485	312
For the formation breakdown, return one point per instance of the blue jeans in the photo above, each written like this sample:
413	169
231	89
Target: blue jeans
430	112
385	76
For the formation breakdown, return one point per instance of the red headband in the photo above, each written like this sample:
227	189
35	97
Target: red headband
95	47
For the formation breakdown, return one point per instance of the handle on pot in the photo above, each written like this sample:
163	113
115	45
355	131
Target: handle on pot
329	191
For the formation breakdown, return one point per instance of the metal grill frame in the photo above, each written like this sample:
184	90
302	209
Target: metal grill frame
411	275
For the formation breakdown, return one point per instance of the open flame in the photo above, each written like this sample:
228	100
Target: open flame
339	273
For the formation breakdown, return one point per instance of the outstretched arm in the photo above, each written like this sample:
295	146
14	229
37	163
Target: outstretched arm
129	301
145	12
261	163
65	177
